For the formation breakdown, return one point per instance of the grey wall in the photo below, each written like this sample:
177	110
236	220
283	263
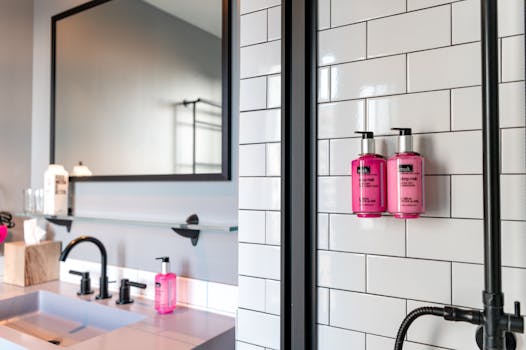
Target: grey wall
121	67
15	100
214	259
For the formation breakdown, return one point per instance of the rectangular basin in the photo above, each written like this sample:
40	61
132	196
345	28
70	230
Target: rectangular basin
7	345
60	320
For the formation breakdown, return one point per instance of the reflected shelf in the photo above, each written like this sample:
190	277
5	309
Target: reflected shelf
189	229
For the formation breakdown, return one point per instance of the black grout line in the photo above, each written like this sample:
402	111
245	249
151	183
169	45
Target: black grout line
422	217
259	43
451	283
405	238
399	54
408	93
268	23
367	40
266	91
329	231
349	176
405	258
260	278
384	17
259	10
450	109
406	73
265	225
451	196
330	13
259	76
423	133
385	336
329	170
330	84
258	244
500	60
406	312
451	24
415	133
259	177
245	111
396	298
366	287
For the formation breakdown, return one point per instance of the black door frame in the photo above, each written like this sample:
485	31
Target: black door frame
298	177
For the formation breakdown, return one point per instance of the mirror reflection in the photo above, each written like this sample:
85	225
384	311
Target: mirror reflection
138	88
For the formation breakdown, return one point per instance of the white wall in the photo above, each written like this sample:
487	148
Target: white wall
215	256
259	169
15	100
392	63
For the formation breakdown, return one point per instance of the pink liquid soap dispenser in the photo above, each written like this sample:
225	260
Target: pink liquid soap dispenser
405	182
368	180
165	288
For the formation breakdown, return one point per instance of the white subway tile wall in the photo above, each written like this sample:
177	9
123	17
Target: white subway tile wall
383	64
416	64
258	320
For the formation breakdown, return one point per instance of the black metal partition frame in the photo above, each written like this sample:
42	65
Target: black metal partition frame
298	176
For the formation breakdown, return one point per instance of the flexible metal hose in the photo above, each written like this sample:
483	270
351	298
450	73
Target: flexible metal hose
413	315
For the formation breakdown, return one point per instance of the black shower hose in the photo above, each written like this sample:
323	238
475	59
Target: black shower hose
449	313
413	315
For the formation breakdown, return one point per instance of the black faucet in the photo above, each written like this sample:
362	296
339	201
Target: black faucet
103	291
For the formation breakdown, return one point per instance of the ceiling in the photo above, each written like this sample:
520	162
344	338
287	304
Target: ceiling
204	14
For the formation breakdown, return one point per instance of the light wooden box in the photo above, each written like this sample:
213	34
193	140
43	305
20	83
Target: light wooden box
28	265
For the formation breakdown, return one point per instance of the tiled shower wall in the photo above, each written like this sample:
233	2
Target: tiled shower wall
258	325
414	63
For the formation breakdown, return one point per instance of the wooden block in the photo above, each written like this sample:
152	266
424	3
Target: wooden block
28	265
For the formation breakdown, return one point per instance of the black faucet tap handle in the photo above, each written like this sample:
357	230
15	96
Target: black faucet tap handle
124	291
137	285
85	282
78	273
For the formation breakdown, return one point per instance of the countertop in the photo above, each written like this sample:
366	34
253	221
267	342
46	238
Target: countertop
184	329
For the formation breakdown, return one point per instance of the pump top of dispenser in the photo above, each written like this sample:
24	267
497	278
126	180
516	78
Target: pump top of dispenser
367	142
405	140
165	264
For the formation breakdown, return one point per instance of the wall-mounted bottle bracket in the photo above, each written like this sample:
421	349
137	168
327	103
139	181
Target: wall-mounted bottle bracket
67	223
193	234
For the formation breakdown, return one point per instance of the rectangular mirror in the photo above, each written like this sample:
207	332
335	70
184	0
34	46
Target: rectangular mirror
141	89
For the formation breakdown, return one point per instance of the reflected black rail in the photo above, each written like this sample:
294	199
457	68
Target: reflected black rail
194	103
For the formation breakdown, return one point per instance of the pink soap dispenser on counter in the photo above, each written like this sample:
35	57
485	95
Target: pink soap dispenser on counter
405	182
165	288
368	180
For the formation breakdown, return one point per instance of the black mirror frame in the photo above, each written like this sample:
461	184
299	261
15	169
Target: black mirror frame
226	142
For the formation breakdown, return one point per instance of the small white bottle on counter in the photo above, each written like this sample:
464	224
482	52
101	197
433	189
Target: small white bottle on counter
56	182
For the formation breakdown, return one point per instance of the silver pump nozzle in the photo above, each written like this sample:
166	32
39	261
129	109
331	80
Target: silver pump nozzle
165	265
367	142
405	140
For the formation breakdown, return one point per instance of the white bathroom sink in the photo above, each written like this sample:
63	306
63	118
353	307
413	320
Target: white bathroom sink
61	320
7	345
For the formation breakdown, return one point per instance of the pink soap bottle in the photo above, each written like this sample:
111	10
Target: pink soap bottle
165	286
368	180
405	182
